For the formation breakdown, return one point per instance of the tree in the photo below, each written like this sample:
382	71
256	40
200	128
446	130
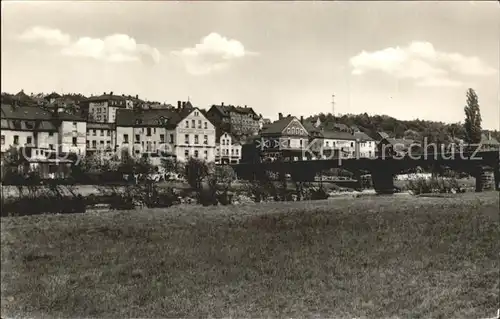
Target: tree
169	164
196	171
472	123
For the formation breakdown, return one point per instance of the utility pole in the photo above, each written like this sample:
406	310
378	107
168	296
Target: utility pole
333	104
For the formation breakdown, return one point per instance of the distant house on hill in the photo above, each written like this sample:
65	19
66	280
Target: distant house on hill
488	141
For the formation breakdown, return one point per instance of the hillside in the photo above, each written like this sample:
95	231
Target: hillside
415	129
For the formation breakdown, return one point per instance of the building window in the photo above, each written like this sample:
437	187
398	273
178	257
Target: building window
352	144
3	139
186	153
51	146
237	151
51	133
125	138
206	154
16	140
205	139
94	132
137	138
205	125
74	141
28	140
196	139
148	131
300	143
187	124
193	123
199	123
186	138
108	132
74	126
196	153
102	132
94	144
154	130
162	138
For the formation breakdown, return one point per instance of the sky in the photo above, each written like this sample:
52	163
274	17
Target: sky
404	59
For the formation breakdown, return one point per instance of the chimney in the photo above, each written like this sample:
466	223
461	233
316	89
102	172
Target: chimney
183	104
137	96
245	106
111	93
489	135
301	119
104	93
280	116
178	104
222	104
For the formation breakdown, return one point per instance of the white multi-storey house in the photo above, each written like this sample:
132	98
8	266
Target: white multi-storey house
43	137
284	139
102	109
367	147
180	134
227	149
194	136
101	138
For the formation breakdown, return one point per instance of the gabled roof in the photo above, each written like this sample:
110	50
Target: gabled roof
383	135
488	140
107	97
362	136
278	126
152	117
225	110
21	96
219	132
25	113
401	141
53	95
337	135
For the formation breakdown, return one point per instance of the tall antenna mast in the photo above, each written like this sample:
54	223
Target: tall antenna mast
333	104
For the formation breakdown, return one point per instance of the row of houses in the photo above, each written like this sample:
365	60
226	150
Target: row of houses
111	125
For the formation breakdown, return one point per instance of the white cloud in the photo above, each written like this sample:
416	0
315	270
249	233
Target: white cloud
422	62
213	53
47	35
112	48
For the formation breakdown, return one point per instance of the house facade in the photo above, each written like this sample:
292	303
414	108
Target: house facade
285	139
194	137
227	149
102	109
235	120
366	146
165	132
101	138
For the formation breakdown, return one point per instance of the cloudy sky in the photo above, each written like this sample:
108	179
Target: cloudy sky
408	60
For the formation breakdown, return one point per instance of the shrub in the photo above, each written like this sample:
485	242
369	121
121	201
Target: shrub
434	185
318	193
47	200
196	171
206	197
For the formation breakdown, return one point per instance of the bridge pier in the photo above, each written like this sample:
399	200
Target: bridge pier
486	179
383	182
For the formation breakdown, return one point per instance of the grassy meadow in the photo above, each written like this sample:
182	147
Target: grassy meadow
375	257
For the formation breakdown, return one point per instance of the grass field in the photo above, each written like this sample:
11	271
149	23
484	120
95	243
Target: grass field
373	257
